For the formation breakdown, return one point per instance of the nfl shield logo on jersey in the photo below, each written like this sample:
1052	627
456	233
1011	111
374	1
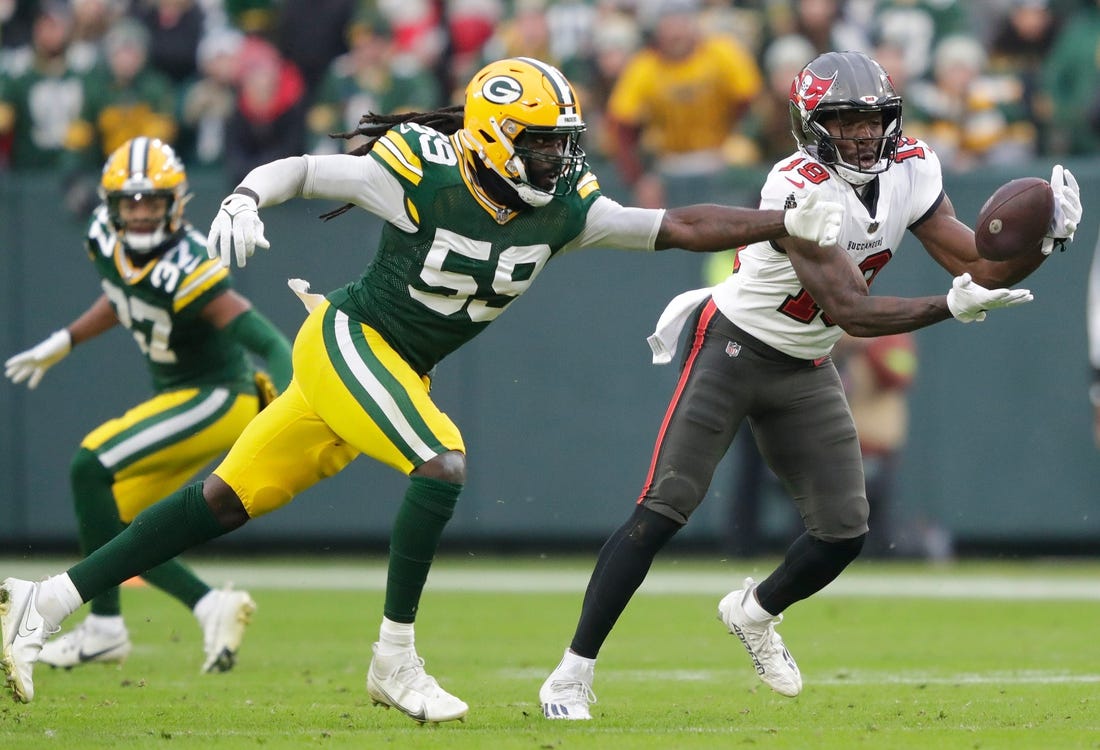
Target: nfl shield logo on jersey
733	348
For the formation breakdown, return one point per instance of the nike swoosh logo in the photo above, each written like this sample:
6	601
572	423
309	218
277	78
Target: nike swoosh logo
26	629
88	657
421	715
796	183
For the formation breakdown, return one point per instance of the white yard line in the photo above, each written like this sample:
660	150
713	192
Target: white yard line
524	578
1023	677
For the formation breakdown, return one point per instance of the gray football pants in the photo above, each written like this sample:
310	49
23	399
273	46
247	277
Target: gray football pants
799	417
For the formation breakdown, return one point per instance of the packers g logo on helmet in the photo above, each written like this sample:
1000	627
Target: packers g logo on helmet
502	90
144	168
511	102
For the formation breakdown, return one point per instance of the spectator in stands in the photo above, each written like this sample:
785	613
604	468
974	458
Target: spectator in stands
823	22
1022	39
41	97
1071	84
92	19
526	33
970	118
369	78
769	119
919	25
676	103
615	39
251	16
313	33
207	102
269	121
175	28
16	23
468	25
125	98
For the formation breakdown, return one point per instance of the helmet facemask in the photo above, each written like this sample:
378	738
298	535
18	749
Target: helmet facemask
141	242
870	154
144	169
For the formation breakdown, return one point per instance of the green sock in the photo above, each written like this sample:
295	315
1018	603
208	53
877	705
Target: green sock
428	505
160	532
98	523
96	516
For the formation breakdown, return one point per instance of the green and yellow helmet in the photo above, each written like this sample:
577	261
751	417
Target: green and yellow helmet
145	167
517	97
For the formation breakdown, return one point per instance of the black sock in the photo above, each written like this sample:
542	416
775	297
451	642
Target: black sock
620	569
809	566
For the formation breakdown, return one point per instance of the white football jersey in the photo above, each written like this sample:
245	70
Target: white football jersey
764	297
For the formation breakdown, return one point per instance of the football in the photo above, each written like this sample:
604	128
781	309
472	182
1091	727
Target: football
1015	219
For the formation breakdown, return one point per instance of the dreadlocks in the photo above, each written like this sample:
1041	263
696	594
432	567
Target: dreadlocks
446	120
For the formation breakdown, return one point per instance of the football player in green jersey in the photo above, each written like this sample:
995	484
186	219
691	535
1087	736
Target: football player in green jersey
196	334
476	200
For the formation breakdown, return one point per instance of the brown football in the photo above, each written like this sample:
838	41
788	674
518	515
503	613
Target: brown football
1015	219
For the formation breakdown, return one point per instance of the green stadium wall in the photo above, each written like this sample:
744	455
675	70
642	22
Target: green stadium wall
558	401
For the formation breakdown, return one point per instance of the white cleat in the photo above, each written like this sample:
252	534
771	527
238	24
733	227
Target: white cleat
770	658
224	619
400	682
23	631
85	644
567	693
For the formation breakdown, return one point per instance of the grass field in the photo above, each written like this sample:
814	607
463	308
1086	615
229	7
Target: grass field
973	655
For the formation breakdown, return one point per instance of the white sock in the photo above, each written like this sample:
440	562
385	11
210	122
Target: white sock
395	637
576	663
57	599
752	608
204	605
106	624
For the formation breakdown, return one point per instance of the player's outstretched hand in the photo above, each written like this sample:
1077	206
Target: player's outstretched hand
815	219
969	301
236	231
34	362
1067	209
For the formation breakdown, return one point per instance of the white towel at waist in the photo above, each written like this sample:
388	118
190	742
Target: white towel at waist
664	339
301	288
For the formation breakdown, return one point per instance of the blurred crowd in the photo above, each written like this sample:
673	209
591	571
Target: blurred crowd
671	89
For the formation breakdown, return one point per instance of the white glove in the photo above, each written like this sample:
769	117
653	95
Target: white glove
969	301
1067	209
34	362
815	219
237	227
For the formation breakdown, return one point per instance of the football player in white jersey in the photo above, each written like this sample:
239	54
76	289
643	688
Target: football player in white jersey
760	351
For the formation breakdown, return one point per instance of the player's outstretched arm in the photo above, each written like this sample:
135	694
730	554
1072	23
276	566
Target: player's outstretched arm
711	228
838	287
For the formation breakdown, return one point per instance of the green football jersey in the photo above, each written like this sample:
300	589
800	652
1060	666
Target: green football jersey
429	292
160	303
44	106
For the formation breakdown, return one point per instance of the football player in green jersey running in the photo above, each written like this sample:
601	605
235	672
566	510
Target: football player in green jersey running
196	334
476	199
